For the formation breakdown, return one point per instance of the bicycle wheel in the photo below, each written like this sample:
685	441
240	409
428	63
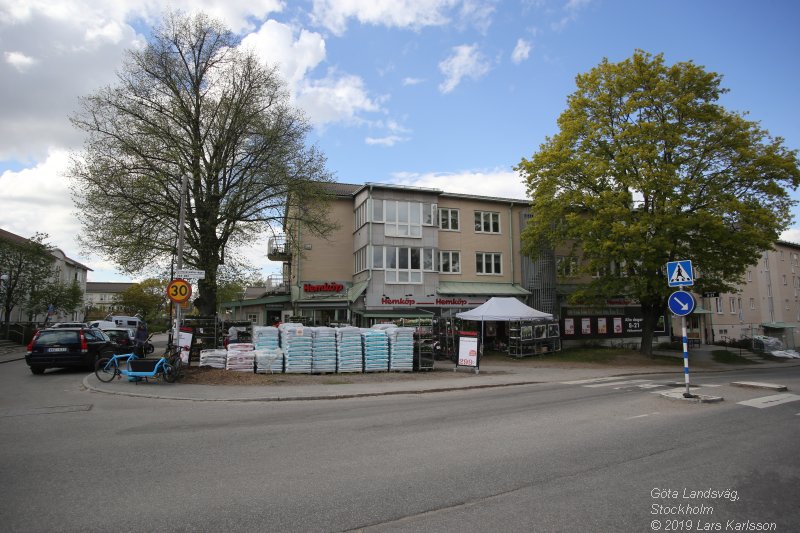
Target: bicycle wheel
174	370
106	369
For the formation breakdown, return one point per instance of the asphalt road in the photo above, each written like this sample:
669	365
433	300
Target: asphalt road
593	456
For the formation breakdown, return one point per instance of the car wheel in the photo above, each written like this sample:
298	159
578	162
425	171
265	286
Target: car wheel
38	370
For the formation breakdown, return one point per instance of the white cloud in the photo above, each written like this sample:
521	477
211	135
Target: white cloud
336	98
465	61
572	9
499	183
412	81
791	235
333	14
521	51
38	200
389	140
295	53
19	61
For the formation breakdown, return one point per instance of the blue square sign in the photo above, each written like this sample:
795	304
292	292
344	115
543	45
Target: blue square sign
679	274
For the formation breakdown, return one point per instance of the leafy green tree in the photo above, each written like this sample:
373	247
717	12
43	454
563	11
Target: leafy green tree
647	167
27	267
63	297
149	298
193	103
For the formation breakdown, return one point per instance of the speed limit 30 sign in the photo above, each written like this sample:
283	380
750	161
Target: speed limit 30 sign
179	290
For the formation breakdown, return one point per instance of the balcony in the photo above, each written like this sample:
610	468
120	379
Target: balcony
278	249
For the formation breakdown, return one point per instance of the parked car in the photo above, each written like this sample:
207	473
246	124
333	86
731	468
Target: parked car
75	347
69	325
121	337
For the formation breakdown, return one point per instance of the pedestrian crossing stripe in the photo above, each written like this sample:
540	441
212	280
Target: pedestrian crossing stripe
679	273
769	401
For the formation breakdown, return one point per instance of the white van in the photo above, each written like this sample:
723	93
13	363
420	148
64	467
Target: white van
102	324
129	322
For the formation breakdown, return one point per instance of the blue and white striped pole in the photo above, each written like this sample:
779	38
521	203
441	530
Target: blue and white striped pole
688	393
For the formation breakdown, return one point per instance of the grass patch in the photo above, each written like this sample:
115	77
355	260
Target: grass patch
598	355
730	358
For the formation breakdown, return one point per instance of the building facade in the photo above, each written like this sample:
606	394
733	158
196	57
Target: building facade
766	303
101	297
66	270
404	252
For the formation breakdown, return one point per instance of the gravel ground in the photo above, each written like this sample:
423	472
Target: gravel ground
492	364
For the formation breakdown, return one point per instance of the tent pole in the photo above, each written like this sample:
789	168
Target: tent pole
480	351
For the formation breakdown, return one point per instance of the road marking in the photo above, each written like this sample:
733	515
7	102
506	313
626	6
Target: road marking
619	383
642	416
770	401
584	381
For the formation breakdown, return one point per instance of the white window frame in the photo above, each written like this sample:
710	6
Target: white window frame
490	219
494	258
445	215
395	226
732	304
718	305
450	254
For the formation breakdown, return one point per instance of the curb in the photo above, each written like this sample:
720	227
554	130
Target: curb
759	385
697	398
91	388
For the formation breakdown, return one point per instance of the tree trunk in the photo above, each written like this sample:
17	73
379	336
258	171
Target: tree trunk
650	314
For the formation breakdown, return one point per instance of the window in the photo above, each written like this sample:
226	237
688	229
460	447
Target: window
360	259
566	265
780	253
448	219
749	275
361	215
252	318
785	282
450	262
487	222
718	305
405	264
377	210
752	303
732	303
403	219
488	263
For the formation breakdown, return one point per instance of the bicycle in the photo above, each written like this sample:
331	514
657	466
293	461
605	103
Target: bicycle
169	366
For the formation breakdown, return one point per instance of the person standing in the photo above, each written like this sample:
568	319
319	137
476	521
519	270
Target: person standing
140	338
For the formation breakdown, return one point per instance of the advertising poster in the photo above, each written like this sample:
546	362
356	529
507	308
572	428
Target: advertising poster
602	328
586	326
569	326
617	325
185	342
468	351
552	330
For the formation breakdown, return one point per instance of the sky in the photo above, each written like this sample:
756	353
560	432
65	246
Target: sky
448	94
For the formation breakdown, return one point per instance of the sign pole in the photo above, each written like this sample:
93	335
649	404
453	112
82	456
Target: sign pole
179	253
688	393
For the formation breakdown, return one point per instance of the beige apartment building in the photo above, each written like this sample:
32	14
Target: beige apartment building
404	252
766	304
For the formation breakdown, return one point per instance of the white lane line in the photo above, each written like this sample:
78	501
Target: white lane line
770	401
584	381
641	416
619	383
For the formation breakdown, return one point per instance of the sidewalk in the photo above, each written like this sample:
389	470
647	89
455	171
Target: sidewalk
491	375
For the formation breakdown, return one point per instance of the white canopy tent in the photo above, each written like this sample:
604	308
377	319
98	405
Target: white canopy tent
503	310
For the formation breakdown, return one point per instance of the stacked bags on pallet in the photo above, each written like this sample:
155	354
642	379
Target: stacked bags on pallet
401	349
349	350
376	350
296	343
323	350
268	355
214	358
241	356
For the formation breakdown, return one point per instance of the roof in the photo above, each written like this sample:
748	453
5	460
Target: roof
340	189
504	309
107	286
17	239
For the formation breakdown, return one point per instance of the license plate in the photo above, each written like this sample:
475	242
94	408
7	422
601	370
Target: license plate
51	350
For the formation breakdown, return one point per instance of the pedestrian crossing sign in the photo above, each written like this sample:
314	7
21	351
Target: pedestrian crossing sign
679	274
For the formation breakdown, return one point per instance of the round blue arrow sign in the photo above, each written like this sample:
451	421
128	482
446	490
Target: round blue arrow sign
681	303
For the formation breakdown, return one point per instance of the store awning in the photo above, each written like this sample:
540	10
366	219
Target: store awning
277	300
411	313
477	288
356	290
698	310
778	325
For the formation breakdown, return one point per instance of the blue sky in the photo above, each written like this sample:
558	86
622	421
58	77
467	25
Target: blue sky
441	93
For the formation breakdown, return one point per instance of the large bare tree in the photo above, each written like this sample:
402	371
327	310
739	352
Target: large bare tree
193	103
